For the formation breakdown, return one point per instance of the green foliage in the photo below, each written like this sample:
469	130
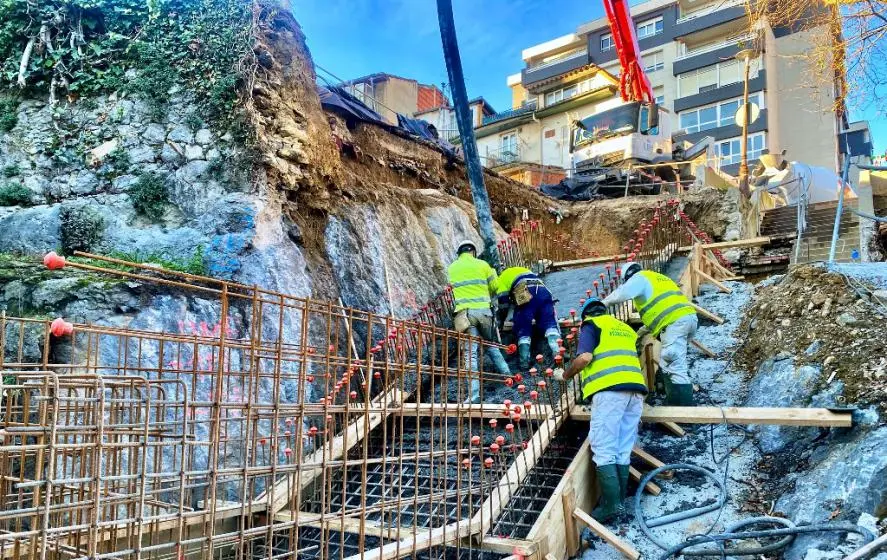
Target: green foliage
12	170
81	228
13	194
84	47
115	164
149	195
8	111
193	121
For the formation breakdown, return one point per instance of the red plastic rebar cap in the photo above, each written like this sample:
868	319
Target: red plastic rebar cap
500	440
518	378
509	428
53	261
507	403
541	384
509	381
521	388
475	440
60	327
493	423
539	358
517	410
511	349
488	462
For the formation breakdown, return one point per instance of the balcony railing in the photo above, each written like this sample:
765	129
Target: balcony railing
528	108
717	46
566	56
716	6
502	155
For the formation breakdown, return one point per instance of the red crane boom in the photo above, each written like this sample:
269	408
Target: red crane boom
633	83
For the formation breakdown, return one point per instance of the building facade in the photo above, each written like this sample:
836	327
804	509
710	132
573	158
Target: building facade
689	49
389	95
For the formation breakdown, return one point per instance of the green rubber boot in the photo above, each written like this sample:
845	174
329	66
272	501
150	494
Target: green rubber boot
523	354
622	470
608	507
670	397
683	394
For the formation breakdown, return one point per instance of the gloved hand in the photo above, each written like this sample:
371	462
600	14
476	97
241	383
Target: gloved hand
558	374
642	332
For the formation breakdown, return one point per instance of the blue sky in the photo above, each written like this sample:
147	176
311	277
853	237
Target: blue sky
352	38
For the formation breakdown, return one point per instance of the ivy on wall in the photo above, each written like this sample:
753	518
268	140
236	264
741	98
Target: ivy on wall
79	48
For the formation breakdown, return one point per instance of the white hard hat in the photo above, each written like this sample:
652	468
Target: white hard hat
629	269
464	245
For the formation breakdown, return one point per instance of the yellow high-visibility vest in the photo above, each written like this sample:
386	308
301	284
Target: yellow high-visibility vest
665	306
507	279
615	359
473	282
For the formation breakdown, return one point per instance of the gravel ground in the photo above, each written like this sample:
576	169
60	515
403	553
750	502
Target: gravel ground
873	274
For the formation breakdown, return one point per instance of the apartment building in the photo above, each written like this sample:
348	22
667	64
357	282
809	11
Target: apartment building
688	48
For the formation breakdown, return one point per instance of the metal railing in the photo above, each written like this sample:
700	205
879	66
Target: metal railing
523	110
561	58
502	155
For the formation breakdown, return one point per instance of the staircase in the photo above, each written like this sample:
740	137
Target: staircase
816	240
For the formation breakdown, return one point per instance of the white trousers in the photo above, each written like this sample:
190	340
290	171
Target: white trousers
675	338
615	416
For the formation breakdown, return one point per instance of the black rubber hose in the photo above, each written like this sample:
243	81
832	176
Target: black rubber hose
645	524
843	527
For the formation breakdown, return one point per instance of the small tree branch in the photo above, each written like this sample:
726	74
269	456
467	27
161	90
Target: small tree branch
26	59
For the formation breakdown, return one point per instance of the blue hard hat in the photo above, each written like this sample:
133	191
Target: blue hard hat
590	305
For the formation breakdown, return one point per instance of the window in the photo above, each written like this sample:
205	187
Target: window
508	148
715	76
729	150
713	116
653	61
606	42
649	28
658	95
578	88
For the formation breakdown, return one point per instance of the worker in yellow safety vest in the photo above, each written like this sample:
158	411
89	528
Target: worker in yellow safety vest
474	283
533	302
610	376
667	313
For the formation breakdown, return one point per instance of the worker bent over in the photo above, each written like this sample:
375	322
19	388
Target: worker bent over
532	300
667	313
610	375
474	283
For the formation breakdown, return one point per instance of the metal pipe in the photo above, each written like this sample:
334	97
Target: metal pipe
839	210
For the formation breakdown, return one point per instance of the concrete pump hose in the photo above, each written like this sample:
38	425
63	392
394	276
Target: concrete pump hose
792	531
789	530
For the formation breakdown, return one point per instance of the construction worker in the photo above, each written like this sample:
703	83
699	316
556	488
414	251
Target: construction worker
667	313
533	301
610	375
474	283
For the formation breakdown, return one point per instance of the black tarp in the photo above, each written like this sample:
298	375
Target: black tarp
571	190
339	101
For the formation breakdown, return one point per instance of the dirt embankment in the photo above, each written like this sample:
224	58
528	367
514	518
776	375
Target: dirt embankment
825	319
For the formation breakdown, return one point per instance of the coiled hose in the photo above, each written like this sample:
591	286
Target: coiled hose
789	530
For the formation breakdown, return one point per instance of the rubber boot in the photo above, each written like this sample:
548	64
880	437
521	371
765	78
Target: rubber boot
683	394
622	470
608	507
475	393
553	345
670	397
523	354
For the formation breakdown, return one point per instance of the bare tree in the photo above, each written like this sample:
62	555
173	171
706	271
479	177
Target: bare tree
851	52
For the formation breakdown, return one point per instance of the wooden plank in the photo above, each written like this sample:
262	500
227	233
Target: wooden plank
650	487
738	244
623	547
748	415
703	348
422	541
651	461
588	261
673	428
332	450
736	415
708	278
524	547
460	410
348	525
571	532
708	314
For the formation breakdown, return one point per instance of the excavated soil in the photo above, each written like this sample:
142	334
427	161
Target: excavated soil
823	318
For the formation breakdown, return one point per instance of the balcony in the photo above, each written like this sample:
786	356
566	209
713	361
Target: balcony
528	108
553	68
503	155
707	19
746	38
714	7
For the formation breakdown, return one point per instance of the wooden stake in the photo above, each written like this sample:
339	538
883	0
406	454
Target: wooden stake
708	314
724	289
623	547
572	532
650	487
703	348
